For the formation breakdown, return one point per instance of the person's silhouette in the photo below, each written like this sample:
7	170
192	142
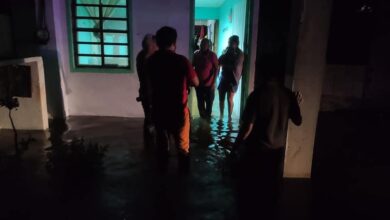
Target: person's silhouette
170	76
231	61
149	46
261	142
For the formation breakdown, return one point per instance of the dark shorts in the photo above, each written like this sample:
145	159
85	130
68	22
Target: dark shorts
227	86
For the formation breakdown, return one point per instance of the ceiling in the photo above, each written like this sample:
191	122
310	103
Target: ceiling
209	3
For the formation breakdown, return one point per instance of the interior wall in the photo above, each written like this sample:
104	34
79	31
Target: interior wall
203	13
108	94
231	21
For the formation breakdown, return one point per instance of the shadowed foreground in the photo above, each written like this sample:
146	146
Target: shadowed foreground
131	187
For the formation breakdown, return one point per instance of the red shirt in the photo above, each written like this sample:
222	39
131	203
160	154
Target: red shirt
206	66
170	76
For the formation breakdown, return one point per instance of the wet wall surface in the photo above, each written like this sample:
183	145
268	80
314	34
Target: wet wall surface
348	182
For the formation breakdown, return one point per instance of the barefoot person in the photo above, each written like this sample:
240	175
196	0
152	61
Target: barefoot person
231	61
206	66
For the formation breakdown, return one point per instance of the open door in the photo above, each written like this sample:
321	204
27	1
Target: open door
218	20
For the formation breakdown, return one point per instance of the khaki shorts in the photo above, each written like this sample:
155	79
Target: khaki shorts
183	140
181	135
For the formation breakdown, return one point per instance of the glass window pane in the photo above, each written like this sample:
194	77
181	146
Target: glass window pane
87	11
114	2
117	61
84	36
110	12
87	23
91	52
115	50
89	49
115	25
85	60
115	37
88	2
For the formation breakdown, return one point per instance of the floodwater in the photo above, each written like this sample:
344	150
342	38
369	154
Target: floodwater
350	178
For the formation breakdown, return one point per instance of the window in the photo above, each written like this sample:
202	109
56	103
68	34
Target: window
100	33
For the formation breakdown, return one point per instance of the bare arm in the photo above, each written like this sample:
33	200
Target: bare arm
194	81
192	77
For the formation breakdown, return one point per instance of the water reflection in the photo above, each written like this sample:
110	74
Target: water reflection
216	137
130	186
215	134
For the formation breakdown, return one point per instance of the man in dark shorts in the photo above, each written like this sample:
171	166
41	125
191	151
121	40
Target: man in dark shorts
231	61
261	143
206	67
170	76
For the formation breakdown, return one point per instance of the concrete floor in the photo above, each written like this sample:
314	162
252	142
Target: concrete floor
132	188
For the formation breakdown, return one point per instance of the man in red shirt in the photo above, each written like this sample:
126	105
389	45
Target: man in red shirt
206	67
170	76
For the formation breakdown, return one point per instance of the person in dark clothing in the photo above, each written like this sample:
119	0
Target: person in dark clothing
170	76
149	46
232	61
261	142
195	46
206	66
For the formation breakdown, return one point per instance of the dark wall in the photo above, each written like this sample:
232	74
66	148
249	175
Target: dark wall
351	31
23	22
23	14
276	26
377	89
358	71
49	54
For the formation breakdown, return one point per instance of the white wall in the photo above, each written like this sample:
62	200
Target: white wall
114	94
32	113
310	67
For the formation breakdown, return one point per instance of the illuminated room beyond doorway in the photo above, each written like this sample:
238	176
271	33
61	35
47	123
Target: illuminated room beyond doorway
217	20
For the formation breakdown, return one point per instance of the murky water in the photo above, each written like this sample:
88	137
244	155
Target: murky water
217	135
131	187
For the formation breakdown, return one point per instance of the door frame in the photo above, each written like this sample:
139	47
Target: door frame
245	79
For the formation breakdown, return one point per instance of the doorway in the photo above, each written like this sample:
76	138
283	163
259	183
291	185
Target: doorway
218	20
